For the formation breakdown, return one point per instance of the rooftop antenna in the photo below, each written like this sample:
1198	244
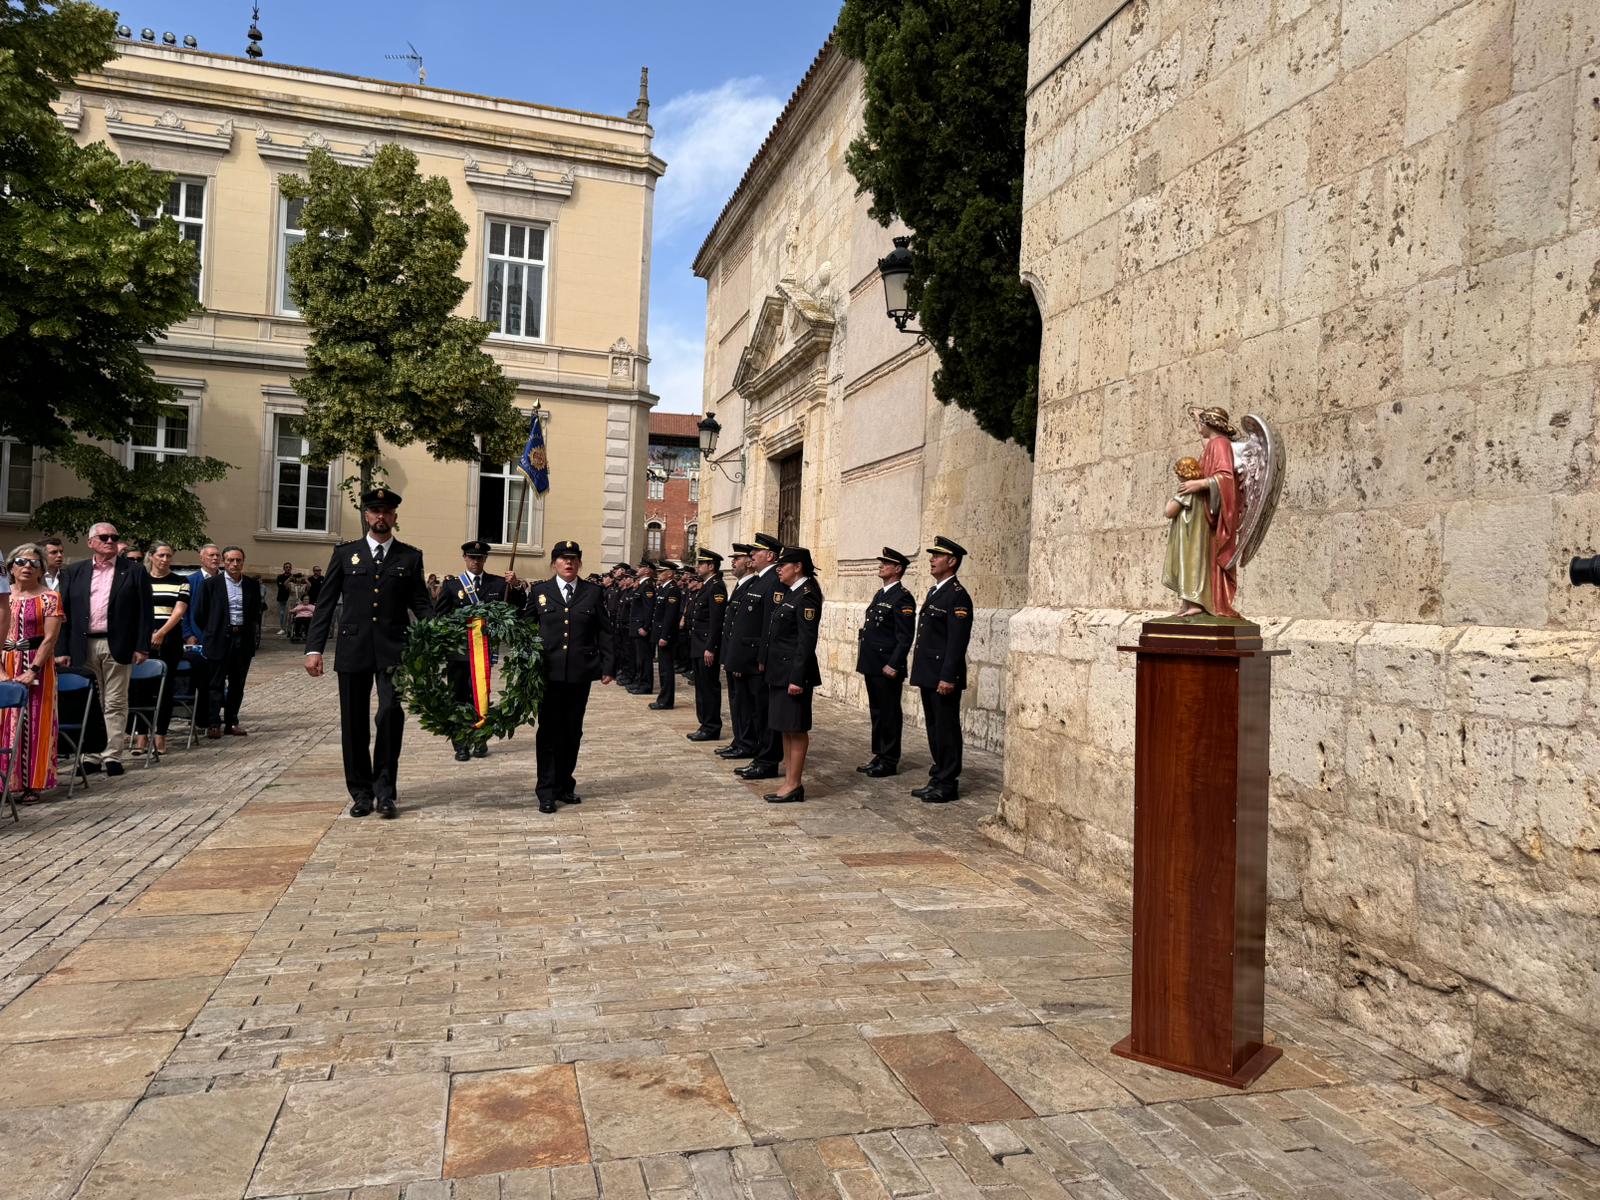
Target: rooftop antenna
253	50
415	58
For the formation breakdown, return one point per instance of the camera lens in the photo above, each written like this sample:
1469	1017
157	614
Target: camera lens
1585	570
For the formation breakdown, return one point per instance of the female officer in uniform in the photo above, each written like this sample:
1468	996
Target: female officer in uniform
789	659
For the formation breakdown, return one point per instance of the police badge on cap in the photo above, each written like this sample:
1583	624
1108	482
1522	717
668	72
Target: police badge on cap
566	550
380	497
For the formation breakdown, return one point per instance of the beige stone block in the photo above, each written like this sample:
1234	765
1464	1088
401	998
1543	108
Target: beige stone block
1358	120
1404	664
1218	35
1364	881
1060	352
1575	531
1103	342
1110	715
1320	466
1154	318
1137	30
1316	248
1550	37
1385	564
1521	171
1070	86
1585	149
1174	220
1538	1061
1395	759
1308	745
1265	169
1101	250
1157	407
1300	60
1321	657
1416	450
1257	257
1535	434
1359	360
1275	373
1522	674
1199	125
1558	787
1150	87
1469	327
1425	1013
1371	26
1486	544
1283	577
1457	67
1566	301
1069	432
1408	217
1480	785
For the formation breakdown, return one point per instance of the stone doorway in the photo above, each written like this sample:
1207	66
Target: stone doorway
789	498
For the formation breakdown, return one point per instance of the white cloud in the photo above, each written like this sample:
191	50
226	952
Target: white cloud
677	364
708	139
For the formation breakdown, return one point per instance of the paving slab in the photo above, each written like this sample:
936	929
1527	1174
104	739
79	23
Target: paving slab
205	900
355	1133
1047	1073
44	1152
948	1079
39	1074
196	1147
1019	943
103	960
673	1103
513	1121
816	1089
79	1010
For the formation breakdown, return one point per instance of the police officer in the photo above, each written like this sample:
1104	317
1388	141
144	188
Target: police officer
939	668
664	631
641	615
688	586
472	586
617	604
790	668
884	644
578	649
741	746
381	584
760	598
706	613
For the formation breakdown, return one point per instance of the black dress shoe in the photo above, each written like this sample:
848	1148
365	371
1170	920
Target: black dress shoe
881	771
758	771
572	798
463	754
112	767
795	797
922	791
867	768
361	807
700	735
386	809
547	805
657	705
732	752
939	796
481	751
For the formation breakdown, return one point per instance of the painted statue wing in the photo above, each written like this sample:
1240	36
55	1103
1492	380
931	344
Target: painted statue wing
1258	471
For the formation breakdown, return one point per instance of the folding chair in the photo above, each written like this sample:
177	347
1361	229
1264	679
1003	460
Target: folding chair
79	689
12	696
184	701
142	706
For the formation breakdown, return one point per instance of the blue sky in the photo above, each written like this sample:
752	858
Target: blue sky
720	71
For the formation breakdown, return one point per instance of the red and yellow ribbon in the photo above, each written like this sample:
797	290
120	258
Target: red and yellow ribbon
478	669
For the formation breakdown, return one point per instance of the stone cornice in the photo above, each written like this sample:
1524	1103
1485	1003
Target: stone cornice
518	177
169	129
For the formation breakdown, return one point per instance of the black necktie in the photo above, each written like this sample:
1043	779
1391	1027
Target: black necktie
377	555
477	583
566	594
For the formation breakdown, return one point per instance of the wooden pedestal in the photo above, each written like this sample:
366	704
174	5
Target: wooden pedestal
1200	850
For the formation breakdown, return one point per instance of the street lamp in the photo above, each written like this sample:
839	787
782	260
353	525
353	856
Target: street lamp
895	268
710	428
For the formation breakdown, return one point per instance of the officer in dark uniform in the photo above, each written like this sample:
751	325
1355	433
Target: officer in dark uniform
884	645
664	633
472	586
578	649
706	613
617	603
382	585
790	668
688	585
939	668
742	745
749	636
641	616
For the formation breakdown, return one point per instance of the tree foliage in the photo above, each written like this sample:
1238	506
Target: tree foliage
375	280
151	500
82	286
942	151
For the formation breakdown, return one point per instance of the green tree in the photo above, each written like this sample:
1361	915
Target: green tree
82	285
150	500
942	150
375	280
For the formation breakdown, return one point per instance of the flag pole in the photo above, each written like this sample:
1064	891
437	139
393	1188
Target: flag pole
516	534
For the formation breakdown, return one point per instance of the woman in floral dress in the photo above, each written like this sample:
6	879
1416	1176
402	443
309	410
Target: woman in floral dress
29	660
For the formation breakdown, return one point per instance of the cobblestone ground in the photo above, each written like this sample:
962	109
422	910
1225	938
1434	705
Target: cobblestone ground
217	986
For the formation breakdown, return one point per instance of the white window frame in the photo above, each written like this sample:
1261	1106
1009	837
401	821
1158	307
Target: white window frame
285	305
694	488
656	487
691	539
10	451
490	258
160	448
303	486
515	481
184	222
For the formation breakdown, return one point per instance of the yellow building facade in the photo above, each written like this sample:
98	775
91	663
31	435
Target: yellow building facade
558	205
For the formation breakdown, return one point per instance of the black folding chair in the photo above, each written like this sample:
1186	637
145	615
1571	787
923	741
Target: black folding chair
74	694
185	703
13	698
146	685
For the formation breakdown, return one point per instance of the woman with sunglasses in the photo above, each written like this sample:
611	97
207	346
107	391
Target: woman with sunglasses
29	660
169	601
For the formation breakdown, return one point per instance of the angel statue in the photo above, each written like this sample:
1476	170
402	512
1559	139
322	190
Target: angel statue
1220	513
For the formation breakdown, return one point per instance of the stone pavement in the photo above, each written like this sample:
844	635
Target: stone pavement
215	986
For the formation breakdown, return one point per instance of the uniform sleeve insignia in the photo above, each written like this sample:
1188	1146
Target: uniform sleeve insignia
811	614
543	599
355	558
718	599
962	612
908	612
673	599
777	597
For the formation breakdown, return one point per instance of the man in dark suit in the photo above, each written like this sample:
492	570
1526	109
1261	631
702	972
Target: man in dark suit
382	585
231	635
939	668
109	617
742	745
472	586
641	619
194	641
578	649
664	621
884	644
706	615
750	625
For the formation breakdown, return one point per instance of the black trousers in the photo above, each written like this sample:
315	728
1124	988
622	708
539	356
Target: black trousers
200	675
669	674
644	660
555	744
460	686
707	697
226	683
739	713
370	765
883	702
767	745
171	653
942	715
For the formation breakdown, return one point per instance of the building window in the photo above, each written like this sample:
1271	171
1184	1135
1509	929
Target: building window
502	492
289	215
16	478
158	438
657	488
514	271
652	538
694	489
186	204
691	539
300	496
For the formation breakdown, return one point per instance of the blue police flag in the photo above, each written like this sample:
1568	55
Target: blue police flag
534	464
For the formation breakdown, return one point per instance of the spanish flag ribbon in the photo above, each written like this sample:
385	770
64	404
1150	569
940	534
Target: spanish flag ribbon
478	669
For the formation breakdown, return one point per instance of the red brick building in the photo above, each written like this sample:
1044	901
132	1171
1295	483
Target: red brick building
672	486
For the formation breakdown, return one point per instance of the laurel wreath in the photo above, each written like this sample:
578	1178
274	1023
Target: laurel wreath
422	684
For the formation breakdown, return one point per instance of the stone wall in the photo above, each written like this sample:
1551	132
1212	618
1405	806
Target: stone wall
1378	225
